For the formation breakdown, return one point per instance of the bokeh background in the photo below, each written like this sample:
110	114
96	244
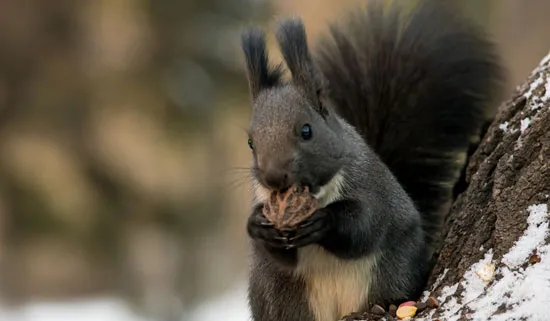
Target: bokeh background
123	154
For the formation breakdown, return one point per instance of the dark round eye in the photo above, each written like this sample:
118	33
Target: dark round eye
250	143
306	132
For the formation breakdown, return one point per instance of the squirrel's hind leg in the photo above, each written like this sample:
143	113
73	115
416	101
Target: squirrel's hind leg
276	295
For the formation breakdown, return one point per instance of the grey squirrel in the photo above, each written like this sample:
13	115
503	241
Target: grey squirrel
377	122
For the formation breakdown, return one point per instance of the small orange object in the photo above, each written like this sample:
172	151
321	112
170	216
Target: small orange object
406	312
432	303
408	303
534	259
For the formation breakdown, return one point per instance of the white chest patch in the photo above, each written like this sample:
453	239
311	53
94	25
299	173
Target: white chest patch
335	287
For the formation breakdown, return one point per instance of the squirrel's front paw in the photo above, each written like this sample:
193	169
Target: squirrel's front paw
262	230
312	230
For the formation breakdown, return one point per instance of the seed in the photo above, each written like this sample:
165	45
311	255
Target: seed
376	309
406	311
421	306
408	303
392	310
432	303
534	259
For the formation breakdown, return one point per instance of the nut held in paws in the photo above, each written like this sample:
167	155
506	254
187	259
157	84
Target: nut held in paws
289	208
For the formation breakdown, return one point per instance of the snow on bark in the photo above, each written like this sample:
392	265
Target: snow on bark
495	260
521	291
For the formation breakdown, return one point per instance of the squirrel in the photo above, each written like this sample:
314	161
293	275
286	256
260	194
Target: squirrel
376	122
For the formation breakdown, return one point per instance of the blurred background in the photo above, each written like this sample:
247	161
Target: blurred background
123	154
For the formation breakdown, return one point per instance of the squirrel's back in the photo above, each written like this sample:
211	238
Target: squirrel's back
417	81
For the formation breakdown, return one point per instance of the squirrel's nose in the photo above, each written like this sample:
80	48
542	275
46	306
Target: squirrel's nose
277	179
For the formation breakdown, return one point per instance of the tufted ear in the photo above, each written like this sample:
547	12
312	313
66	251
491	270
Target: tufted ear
259	74
291	36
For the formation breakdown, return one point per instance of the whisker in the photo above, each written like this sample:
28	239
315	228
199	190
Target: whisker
245	178
237	183
235	170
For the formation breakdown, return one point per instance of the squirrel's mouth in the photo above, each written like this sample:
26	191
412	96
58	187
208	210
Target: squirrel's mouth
313	189
330	189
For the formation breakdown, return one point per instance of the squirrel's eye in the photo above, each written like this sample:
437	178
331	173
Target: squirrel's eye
306	132
250	144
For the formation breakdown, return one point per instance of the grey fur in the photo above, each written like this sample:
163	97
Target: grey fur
371	169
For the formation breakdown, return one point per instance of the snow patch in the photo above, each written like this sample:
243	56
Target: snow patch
534	85
473	285
545	60
533	237
543	79
504	126
522	291
440	278
231	306
524	124
546	96
447	291
105	309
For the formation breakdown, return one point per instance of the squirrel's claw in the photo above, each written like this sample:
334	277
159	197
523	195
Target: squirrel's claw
281	238
306	224
311	231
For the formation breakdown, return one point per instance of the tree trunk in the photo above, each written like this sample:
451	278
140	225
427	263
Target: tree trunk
501	220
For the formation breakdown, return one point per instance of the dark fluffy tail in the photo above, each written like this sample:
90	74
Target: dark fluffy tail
417	81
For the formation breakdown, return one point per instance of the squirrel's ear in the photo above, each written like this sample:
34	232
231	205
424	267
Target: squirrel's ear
259	74
291	36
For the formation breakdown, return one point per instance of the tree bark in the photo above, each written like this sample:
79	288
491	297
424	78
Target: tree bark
501	219
508	179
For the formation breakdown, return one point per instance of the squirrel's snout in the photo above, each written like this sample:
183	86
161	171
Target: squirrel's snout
277	179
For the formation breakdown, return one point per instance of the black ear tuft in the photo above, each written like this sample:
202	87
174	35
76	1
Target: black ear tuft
292	39
259	74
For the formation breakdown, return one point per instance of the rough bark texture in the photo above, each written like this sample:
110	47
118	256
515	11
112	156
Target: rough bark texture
509	171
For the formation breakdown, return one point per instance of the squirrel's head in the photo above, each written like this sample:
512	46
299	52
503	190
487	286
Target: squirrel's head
294	135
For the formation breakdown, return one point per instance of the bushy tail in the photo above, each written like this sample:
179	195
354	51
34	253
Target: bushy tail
417	81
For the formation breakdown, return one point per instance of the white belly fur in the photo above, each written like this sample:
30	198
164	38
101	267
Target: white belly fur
335	287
